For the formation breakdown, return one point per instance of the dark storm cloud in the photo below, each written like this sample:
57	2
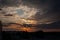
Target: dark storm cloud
4	3
50	9
55	25
51	4
39	3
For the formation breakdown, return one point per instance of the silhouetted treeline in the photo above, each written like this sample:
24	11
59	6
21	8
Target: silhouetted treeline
21	35
0	24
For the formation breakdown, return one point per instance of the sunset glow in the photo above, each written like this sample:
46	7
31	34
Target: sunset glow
29	21
29	15
20	28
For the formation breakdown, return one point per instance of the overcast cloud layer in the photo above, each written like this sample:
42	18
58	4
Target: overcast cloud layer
43	11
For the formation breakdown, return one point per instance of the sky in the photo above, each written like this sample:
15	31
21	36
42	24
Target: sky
41	11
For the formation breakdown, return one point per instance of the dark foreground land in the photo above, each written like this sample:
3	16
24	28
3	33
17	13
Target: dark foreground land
30	36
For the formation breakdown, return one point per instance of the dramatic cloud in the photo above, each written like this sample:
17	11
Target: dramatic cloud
43	11
48	10
17	14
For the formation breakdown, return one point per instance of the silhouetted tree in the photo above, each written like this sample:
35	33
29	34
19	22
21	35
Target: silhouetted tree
0	24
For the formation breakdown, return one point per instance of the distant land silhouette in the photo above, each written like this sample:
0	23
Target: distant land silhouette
24	35
21	35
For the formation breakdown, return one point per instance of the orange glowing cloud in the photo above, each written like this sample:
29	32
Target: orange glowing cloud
26	21
14	27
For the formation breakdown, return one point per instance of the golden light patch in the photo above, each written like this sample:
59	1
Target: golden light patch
29	21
